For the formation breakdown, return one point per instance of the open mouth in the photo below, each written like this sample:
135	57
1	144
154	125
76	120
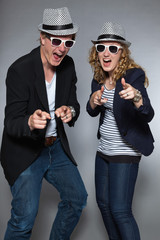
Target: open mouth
57	56
107	60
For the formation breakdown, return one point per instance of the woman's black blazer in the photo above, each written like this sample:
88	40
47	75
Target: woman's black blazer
132	122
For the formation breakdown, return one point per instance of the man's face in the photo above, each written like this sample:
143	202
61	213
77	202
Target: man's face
53	55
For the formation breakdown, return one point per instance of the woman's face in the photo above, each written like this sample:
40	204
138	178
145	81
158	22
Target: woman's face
109	60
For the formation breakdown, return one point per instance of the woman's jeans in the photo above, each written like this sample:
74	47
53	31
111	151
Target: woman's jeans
58	170
115	184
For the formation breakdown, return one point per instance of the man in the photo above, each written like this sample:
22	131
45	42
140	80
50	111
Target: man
41	96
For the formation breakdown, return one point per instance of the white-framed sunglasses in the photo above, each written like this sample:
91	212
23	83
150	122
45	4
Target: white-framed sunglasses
56	42
111	48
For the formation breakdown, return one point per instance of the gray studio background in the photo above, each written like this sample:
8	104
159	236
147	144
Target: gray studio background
19	35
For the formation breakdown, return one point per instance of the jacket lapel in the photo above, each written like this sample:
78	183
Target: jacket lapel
60	87
40	81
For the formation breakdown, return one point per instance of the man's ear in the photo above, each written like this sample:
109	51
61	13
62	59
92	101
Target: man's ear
42	38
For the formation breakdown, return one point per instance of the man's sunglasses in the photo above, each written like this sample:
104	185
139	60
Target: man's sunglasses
111	48
56	42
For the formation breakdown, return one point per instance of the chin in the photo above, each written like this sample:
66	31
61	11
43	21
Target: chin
106	69
56	64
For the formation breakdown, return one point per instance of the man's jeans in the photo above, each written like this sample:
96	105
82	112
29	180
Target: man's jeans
115	184
57	169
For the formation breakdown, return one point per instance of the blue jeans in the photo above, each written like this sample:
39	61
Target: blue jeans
53	165
115	184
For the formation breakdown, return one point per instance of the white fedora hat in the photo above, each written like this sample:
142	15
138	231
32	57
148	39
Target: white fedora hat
58	22
112	32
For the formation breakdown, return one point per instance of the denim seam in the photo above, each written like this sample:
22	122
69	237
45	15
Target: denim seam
129	179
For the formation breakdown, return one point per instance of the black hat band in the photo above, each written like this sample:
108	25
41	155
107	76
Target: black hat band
57	27
111	36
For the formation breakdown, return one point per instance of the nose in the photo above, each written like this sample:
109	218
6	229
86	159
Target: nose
62	48
106	52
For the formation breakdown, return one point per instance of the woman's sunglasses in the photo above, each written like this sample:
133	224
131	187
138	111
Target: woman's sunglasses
111	48
56	42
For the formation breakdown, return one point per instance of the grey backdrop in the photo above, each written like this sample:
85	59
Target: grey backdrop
18	35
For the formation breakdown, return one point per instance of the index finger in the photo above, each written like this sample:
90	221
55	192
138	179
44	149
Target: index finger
46	115
102	89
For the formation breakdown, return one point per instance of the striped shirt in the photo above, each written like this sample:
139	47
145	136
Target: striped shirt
111	143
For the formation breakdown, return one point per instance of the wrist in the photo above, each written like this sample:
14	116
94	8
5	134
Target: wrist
29	123
73	112
137	97
92	104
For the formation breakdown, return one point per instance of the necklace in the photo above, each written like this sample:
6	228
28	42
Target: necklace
110	82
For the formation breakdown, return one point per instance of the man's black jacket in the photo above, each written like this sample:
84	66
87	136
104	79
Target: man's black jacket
26	92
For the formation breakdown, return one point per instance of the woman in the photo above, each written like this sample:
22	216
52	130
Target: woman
119	96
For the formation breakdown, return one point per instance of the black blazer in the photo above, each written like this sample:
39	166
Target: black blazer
132	122
26	92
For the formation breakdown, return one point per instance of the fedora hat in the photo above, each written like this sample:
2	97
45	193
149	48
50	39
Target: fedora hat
58	22
112	32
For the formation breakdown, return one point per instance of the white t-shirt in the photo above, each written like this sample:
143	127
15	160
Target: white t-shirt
51	93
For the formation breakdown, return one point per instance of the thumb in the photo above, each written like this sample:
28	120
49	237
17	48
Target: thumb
124	84
64	108
38	112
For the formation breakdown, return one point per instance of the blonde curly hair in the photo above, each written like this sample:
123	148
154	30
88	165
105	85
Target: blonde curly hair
125	63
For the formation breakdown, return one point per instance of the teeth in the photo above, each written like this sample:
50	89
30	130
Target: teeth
107	60
59	55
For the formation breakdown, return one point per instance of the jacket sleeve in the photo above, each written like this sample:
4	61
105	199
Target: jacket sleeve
72	100
16	118
93	112
145	112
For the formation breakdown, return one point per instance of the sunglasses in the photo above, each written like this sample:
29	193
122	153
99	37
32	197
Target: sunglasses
56	42
111	48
